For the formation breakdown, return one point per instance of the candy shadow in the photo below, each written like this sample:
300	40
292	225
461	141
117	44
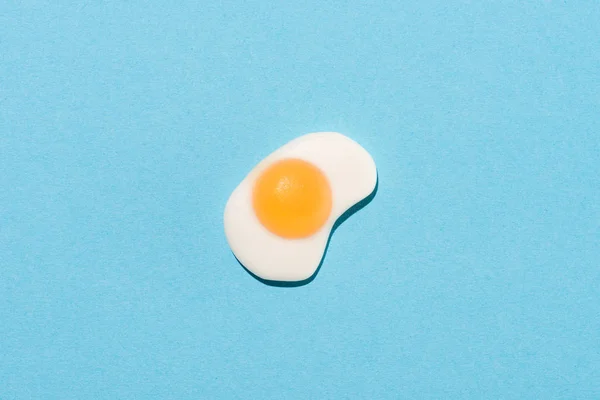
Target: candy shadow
351	211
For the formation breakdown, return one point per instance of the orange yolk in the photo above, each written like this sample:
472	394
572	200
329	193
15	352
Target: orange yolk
292	198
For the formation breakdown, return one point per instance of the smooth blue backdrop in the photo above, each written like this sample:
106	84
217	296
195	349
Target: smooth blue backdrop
474	273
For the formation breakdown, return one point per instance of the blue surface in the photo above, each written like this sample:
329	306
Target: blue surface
474	273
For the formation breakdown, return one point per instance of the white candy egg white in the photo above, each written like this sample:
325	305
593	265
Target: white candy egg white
352	177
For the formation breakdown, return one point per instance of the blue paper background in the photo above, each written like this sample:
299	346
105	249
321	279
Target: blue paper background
474	273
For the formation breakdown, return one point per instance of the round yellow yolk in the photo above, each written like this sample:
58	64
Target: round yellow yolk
292	198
